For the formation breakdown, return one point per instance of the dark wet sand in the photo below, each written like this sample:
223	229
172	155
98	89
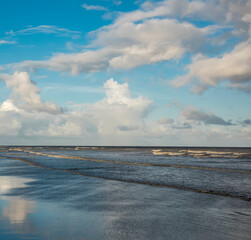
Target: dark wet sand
37	203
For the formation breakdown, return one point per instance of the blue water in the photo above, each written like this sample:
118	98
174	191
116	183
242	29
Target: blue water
124	193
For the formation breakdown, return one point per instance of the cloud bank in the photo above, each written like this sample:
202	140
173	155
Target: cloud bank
118	118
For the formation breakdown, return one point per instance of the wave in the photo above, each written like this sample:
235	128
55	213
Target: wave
137	163
119	178
202	153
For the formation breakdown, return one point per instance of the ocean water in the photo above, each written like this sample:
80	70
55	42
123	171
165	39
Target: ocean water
125	193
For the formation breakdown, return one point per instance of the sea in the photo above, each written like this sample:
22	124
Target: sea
99	192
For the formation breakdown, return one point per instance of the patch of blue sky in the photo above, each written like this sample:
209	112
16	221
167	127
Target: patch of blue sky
68	14
225	102
65	88
199	23
221	43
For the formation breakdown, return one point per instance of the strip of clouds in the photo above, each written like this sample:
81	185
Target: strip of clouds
25	95
45	29
128	45
183	9
2	42
116	2
94	7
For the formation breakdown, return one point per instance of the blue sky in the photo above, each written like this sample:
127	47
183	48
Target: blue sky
110	72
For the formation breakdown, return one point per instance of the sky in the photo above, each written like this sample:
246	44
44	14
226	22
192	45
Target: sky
134	73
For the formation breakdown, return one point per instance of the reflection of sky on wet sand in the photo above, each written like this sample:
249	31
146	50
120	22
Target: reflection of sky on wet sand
7	183
22	218
16	208
85	208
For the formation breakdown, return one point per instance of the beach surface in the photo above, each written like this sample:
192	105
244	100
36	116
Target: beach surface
124	193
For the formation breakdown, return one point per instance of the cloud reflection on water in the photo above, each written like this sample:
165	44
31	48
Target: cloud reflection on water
16	209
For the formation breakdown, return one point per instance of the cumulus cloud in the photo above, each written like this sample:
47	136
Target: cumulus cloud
128	45
45	29
233	66
116	114
145	36
157	31
25	95
118	110
94	7
118	119
10	125
160	31
206	118
207	72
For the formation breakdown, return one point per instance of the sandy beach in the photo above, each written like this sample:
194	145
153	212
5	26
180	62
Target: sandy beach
38	203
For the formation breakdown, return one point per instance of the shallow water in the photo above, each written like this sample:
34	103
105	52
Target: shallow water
123	193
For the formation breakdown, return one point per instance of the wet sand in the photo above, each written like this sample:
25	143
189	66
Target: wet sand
37	203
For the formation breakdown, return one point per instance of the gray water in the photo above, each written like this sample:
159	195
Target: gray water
125	193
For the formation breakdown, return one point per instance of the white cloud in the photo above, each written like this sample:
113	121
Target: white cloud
120	119
117	119
116	2
233	66
17	208
128	45
7	42
138	47
116	115
10	125
45	29
151	35
94	7
25	95
119	111
145	36
183	9
206	72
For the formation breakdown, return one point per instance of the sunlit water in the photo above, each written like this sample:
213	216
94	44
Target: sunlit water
124	193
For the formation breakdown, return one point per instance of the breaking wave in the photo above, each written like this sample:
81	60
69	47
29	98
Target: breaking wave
202	153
